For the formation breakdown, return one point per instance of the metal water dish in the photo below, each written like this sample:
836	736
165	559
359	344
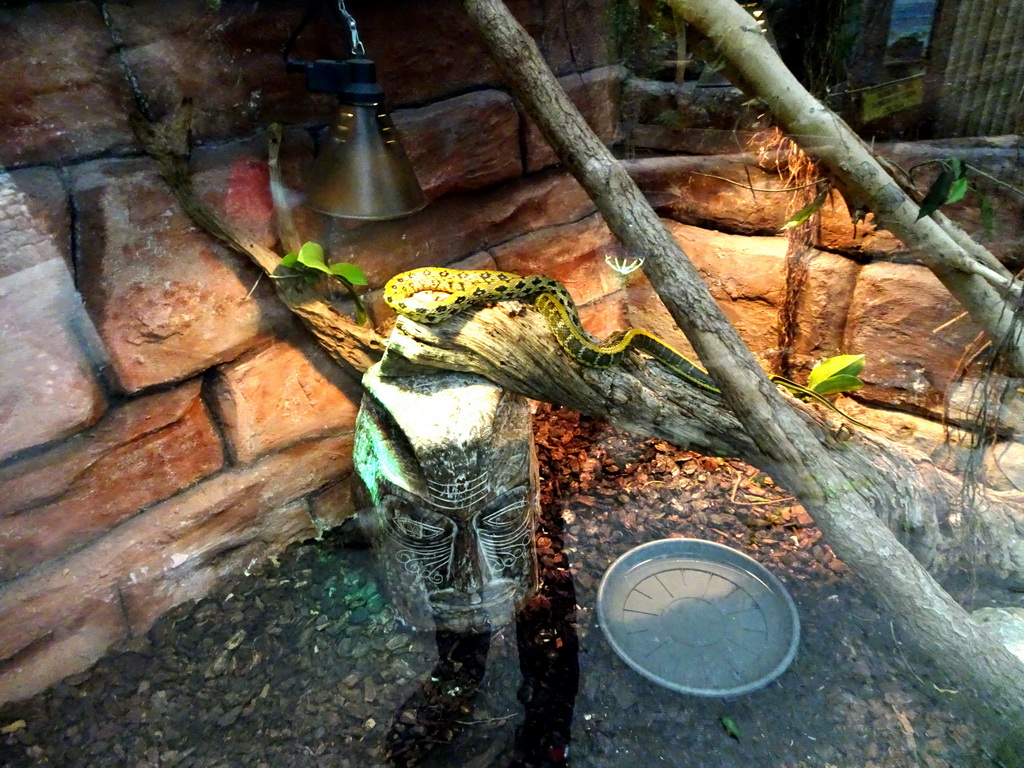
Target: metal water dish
698	617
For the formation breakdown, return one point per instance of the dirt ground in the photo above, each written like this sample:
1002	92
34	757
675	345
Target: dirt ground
302	664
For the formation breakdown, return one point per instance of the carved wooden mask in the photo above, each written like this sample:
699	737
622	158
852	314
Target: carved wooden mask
448	467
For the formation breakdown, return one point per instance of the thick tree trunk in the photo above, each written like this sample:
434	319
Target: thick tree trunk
805	458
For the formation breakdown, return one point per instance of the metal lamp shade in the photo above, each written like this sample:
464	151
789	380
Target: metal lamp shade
362	172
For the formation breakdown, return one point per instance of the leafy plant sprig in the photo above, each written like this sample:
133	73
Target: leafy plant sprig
807	211
950	186
836	374
309	264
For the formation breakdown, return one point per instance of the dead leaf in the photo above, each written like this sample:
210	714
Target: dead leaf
908	729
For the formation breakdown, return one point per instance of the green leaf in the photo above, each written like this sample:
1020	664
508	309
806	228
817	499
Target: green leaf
350	272
730	727
311	251
840	365
807	211
937	193
836	384
957	191
988	216
312	256
290	260
956	165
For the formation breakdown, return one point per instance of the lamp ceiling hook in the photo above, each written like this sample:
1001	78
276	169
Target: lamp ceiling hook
358	49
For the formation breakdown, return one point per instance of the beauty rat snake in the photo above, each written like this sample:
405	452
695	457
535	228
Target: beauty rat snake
473	288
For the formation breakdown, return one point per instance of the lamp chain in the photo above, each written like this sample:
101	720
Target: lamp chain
358	49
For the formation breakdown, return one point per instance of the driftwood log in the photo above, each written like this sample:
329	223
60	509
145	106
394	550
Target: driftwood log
512	346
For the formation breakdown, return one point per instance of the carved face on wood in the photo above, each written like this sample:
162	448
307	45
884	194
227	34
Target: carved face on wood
446	463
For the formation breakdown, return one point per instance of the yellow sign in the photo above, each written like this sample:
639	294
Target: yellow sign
888	98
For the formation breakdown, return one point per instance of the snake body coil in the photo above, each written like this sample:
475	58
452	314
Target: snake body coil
470	288
473	288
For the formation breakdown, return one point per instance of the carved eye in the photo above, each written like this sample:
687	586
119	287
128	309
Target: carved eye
416	529
507	517
419	525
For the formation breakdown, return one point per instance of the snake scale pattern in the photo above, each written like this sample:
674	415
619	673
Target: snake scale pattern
473	288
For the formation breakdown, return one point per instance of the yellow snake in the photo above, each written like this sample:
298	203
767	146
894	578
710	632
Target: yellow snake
473	288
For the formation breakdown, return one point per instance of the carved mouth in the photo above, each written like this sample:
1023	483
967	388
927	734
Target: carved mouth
484	601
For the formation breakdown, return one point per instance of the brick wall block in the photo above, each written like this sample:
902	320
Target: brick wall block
574	34
571	253
644	309
864	239
714	191
823	310
48	346
35	221
48	382
334	505
62	95
458	225
64	629
234	180
689	119
438	51
229	59
167	300
697	191
42	478
606	315
228	546
226	58
140	453
194	539
894	314
464	143
596	95
745	275
172	553
279	395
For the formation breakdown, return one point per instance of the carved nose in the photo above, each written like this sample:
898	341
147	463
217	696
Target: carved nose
468	571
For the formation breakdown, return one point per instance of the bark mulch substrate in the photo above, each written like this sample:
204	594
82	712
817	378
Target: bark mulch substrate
303	665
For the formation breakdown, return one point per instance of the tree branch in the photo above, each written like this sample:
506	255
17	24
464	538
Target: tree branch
976	284
346	342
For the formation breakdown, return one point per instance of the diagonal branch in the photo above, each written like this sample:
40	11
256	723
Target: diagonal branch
347	343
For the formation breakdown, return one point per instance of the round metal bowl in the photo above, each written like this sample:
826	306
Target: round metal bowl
698	617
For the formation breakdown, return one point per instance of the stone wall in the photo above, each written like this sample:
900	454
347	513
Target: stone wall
864	293
165	422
